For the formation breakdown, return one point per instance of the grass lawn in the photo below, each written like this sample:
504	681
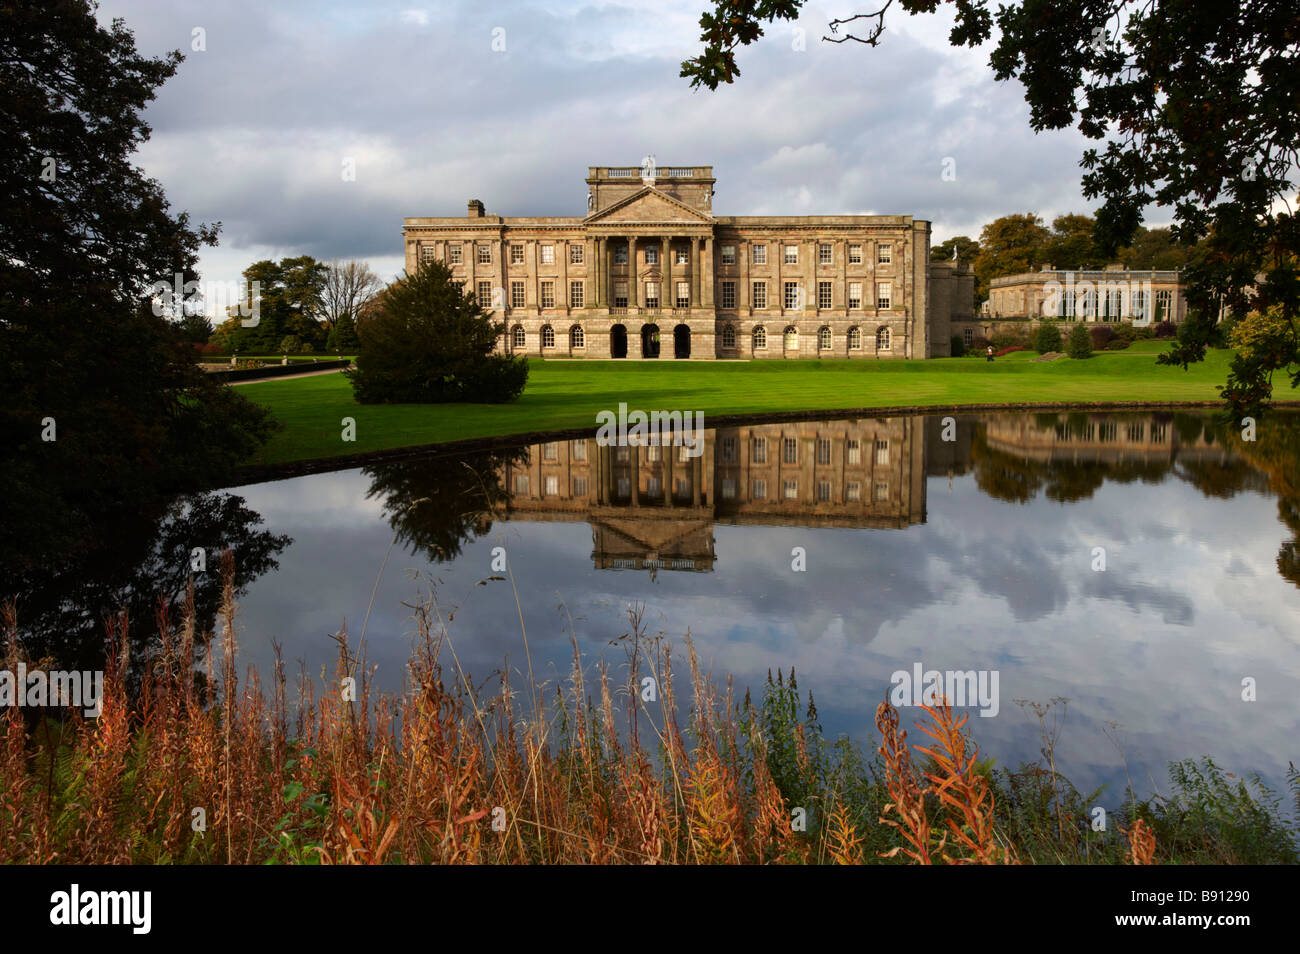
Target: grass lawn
567	394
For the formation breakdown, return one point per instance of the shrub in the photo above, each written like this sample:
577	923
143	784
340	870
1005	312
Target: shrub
1080	345
1047	338
1010	339
427	342
290	344
979	344
1166	329
1117	344
1101	335
958	346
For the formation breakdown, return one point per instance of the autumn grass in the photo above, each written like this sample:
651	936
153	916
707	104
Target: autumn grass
225	769
565	395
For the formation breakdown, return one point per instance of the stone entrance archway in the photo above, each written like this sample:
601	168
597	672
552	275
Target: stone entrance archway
650	341
682	341
618	341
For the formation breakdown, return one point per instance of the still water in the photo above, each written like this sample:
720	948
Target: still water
847	549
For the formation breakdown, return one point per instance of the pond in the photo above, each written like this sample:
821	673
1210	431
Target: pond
1143	566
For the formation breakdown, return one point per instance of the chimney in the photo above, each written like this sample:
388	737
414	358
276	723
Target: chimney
476	210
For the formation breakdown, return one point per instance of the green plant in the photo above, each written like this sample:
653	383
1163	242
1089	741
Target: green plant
1047	338
1080	342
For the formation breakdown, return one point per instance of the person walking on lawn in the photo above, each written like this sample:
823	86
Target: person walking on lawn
990	352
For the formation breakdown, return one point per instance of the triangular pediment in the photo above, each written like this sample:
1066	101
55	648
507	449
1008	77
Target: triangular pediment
650	205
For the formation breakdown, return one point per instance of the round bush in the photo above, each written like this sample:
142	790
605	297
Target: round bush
1080	345
1101	335
1047	338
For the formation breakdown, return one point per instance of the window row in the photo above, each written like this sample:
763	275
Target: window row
790	490
793	295
455	253
790	338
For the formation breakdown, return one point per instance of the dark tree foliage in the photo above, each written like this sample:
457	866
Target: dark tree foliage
289	303
84	357
1192	106
1047	338
1080	342
343	336
427	342
436	504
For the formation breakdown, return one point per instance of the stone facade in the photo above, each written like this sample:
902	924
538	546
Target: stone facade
651	272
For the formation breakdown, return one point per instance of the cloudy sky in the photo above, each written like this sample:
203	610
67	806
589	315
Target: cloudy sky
255	128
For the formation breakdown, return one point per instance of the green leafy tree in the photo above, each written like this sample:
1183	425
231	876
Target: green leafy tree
965	248
196	328
1191	107
1008	246
343	336
1080	345
427	342
104	407
289	303
1070	245
1047	338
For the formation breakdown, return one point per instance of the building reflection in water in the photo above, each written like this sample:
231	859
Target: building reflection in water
655	507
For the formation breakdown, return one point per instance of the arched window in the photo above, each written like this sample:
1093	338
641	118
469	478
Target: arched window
548	336
824	338
519	340
855	339
728	336
791	338
760	338
882	339
576	337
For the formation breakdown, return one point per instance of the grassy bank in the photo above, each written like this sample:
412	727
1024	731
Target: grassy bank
568	394
447	773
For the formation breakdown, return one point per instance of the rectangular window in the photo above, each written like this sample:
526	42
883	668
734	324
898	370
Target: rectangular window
790	490
550	451
682	255
484	294
855	294
1164	306
882	451
548	254
521	483
825	253
652	254
620	294
884	295
728	255
620	254
853	492
624	490
790	450
516	294
728	488
516	254
576	253
484	254
760	254
577	294
855	254
683	294
454	253
728	294
823	450
792	254
622	454
823	294
882	490
426	253
729	450
760	294
758	453
968	337
579	486
652	487
853	451
652	294
823	491
760	490
884	254
548	294
791	294
579	450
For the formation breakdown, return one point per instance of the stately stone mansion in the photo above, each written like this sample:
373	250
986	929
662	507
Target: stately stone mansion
651	272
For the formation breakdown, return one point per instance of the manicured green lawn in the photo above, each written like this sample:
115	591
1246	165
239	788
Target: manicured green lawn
567	394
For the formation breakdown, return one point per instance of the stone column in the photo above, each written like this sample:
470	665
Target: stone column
635	453
667	458
667	294
693	263
633	293
697	471
706	276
